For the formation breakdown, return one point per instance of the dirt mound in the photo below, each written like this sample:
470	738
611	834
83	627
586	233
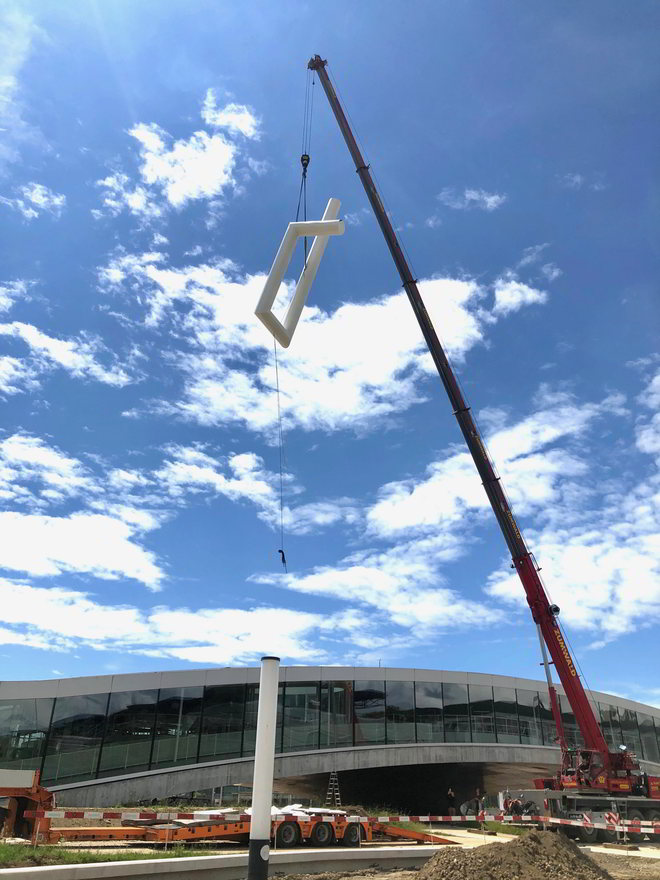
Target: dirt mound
539	855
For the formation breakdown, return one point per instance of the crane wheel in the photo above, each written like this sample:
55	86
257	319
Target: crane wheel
322	834
607	836
635	836
352	835
287	834
588	835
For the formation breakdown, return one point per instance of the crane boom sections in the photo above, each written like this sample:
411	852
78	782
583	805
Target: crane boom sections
543	612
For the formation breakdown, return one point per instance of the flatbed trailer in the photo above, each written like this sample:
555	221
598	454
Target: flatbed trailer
287	830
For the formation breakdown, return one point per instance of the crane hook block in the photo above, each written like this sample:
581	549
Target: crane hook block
321	230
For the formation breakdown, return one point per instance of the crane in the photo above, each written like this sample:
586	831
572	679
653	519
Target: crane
594	766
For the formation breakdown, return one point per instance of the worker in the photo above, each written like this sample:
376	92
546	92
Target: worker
451	802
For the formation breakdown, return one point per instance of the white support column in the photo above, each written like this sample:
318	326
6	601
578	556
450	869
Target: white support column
264	763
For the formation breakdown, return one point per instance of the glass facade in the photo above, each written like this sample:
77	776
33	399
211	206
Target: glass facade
74	742
456	711
610	725
428	712
336	714
630	731
572	733
178	717
507	727
482	713
530	718
76	738
400	711
369	712
23	730
129	733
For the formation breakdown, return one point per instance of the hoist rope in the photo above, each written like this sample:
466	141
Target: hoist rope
281	445
302	200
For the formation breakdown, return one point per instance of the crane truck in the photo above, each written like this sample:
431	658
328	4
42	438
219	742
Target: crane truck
592	780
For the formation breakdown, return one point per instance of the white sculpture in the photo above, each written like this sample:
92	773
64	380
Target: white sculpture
321	229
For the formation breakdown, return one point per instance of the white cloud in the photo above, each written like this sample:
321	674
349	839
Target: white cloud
647	429
402	586
603	572
63	619
11	291
175	172
76	356
242	477
16	376
36	199
120	194
17	34
50	475
571	180
531	254
551	271
234	117
200	167
531	464
471	198
433	221
44	546
511	295
346	369
260	167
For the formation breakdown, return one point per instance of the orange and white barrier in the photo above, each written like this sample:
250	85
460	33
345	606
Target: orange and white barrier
616	823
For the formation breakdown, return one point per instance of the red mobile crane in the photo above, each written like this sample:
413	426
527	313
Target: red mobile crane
597	776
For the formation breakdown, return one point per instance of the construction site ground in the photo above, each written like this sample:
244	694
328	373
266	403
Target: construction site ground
643	864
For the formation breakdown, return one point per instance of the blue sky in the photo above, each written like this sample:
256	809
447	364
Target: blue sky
149	165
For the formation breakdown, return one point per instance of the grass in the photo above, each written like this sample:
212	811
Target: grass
26	856
510	828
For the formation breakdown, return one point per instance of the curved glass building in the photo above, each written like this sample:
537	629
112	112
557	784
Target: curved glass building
100	728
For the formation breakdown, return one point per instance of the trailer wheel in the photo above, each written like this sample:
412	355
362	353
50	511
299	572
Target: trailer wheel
287	834
322	834
636	836
351	835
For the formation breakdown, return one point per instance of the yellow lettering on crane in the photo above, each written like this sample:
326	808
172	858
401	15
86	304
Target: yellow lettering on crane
564	650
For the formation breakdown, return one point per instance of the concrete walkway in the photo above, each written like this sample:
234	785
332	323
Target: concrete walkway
233	867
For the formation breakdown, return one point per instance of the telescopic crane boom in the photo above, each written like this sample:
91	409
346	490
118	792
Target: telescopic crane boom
543	612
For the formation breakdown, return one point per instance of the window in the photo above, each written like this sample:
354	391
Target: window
428	711
507	728
369	708
530	718
648	738
481	713
336	713
128	733
574	738
456	712
76	733
23	729
177	726
400	713
630	730
222	721
609	723
301	716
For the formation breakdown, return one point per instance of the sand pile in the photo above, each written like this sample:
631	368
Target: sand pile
539	855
